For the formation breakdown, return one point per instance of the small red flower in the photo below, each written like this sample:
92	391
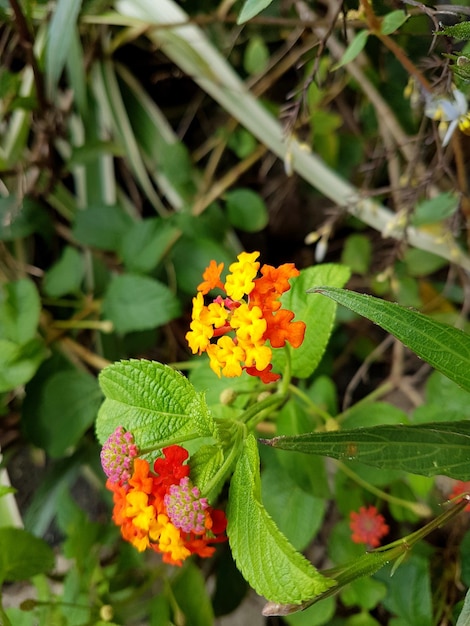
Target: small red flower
368	526
459	489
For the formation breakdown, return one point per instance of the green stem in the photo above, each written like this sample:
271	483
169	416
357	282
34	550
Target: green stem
233	454
258	412
416	507
169	442
285	381
380	391
316	410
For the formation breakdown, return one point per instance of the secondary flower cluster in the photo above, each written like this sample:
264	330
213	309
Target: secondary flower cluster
368	526
159	510
250	311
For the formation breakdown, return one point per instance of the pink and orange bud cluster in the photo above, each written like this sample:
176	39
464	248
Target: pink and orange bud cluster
239	328
368	526
161	510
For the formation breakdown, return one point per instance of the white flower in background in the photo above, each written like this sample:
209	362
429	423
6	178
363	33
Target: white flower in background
449	112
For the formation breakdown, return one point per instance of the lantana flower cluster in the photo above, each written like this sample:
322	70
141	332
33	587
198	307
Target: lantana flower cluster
238	329
161	509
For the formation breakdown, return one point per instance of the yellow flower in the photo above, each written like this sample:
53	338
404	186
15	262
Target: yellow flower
142	514
240	282
226	355
256	353
217	314
248	322
199	336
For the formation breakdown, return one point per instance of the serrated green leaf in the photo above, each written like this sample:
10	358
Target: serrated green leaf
204	465
318	318
134	302
263	554
458	31
251	8
59	39
442	346
20	307
426	449
23	555
355	47
392	22
153	401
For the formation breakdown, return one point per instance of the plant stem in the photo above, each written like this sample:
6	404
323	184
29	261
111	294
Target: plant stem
309	402
417	508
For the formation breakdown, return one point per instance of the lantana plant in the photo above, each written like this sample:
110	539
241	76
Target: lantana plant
167	453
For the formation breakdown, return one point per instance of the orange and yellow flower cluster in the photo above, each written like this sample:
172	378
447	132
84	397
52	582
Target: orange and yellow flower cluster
159	510
250	311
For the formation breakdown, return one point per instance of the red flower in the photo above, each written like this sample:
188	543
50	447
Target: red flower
368	526
170	468
460	488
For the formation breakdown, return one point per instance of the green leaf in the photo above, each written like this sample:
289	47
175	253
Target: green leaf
190	258
355	47
436	209
18	363
256	57
59	38
23	555
392	22
426	449
409	591
76	71
445	348
205	463
297	513
464	617
262	553
102	227
66	275
191	596
20	308
458	31
318	318
65	409
252	8
323	614
134	302
357	253
246	210
145	244
21	218
156	403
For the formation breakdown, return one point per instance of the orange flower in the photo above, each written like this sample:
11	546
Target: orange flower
238	332
211	277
